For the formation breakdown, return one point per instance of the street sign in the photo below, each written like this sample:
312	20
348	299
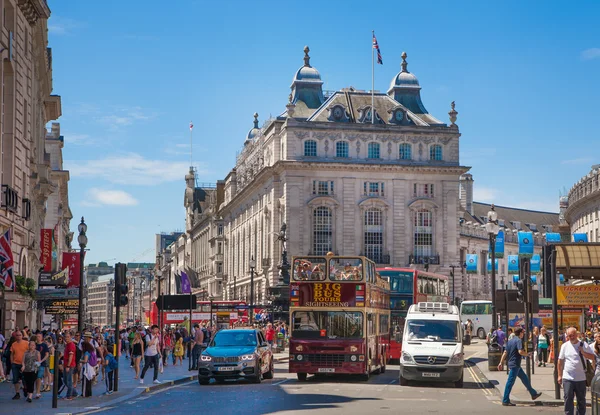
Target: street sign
580	295
61	306
69	293
242	307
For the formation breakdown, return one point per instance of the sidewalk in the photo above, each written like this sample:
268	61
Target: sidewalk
129	389
542	379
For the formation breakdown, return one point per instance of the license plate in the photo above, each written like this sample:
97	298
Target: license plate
226	369
326	370
430	375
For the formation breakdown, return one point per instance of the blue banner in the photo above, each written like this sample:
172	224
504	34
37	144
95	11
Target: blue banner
553	238
580	237
515	279
533	280
561	278
535	263
489	264
471	263
513	263
525	244
499	248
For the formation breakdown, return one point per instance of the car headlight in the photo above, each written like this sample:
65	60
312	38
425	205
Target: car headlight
353	358
407	358
299	357
248	357
457	359
205	358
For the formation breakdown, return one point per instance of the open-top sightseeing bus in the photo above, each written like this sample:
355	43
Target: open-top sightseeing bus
339	316
410	286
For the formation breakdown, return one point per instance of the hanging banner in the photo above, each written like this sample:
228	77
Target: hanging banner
499	246
515	279
535	263
46	249
471	263
513	263
533	280
580	237
489	264
72	261
59	279
579	295
553	238
55	248
525	244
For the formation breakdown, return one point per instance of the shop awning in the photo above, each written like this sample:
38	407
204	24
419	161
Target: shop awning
578	260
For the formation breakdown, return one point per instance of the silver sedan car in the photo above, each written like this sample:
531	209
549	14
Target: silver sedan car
236	354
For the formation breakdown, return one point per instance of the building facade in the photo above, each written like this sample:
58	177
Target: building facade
385	187
582	208
26	171
100	301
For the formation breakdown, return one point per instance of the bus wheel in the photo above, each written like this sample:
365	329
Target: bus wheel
481	333
302	377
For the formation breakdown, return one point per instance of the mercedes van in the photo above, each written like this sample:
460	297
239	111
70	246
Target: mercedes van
432	349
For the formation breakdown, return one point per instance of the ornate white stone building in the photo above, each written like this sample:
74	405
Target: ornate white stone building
387	189
583	205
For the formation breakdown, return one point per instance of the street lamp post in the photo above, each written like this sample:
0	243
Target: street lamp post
252	266
453	291
83	240
492	229
211	298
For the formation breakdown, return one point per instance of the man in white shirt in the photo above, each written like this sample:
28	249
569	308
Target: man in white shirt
571	370
152	353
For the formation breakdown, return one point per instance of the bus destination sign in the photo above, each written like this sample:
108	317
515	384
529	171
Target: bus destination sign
327	294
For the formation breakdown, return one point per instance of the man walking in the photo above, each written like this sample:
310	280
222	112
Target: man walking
571	370
69	366
198	344
513	353
500	337
17	353
152	353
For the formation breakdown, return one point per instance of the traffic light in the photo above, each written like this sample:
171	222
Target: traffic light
521	290
121	287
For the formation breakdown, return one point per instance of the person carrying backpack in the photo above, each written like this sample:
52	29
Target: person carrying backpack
110	364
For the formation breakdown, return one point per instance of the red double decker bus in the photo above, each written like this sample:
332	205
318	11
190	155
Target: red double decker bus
410	286
339	317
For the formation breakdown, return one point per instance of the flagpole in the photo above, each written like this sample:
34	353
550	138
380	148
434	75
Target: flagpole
191	143
373	78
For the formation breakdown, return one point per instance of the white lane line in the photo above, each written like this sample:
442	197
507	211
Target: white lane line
281	381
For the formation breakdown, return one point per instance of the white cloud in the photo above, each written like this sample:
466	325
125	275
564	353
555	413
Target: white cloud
484	194
130	169
62	26
97	197
78	139
581	160
591	53
125	116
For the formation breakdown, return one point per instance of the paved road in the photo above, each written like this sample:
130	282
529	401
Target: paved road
327	395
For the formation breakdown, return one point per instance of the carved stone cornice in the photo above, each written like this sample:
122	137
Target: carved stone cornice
34	10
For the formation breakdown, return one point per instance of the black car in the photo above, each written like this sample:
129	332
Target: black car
236	354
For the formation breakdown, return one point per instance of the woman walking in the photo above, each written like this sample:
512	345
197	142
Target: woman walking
88	372
137	351
178	353
31	363
542	347
167	346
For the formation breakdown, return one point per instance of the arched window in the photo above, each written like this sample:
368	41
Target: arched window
341	149
322	231
405	151
423	234
310	148
374	235
435	152
373	151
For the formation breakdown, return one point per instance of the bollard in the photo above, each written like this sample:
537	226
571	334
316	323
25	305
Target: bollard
54	365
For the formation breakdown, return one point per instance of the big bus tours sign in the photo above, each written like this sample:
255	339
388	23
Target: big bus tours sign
327	294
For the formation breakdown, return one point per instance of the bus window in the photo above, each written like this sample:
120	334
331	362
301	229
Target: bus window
394	284
484	308
384	324
346	269
468	308
370	324
309	269
421	286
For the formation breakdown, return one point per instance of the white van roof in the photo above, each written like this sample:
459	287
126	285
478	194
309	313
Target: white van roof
440	310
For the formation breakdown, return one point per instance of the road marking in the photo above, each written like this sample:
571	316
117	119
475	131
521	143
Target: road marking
392	382
281	381
482	386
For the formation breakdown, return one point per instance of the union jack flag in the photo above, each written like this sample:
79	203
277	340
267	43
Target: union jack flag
376	47
191	126
6	262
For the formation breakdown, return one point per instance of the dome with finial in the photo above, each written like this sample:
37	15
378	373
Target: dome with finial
253	133
307	88
405	79
406	90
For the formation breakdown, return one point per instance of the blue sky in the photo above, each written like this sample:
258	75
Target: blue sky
133	74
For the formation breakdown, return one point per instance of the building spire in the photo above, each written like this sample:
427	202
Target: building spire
404	63
306	57
256	120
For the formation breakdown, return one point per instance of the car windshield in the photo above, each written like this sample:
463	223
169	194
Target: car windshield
226	338
327	324
432	331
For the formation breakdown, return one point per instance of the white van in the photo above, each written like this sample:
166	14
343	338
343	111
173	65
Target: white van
432	348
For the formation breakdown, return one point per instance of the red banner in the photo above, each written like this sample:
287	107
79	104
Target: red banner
71	260
46	248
